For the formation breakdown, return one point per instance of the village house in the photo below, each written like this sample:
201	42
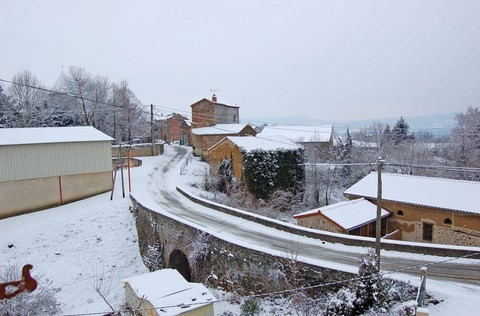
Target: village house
186	133
205	137
234	147
166	293
210	112
425	209
48	166
354	217
169	127
316	139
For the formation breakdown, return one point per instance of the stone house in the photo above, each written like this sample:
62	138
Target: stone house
205	137
425	209
169	127
355	217
186	133
233	147
166	293
210	112
49	166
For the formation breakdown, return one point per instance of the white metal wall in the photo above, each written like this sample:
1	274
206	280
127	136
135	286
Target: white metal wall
21	162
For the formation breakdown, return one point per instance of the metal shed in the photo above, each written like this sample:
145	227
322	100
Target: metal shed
47	166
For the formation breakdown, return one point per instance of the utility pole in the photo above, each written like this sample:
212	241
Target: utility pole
379	211
151	126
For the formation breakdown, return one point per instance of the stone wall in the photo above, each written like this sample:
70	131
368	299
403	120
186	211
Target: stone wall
139	150
220	263
319	222
437	250
449	227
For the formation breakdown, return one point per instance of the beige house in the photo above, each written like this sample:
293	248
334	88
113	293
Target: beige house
205	137
166	293
48	166
233	147
356	217
426	209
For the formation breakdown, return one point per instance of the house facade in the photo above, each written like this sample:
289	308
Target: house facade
424	209
233	148
169	127
205	137
49	166
210	112
355	217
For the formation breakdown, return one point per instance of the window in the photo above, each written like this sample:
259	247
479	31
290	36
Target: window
447	221
234	118
427	231
400	213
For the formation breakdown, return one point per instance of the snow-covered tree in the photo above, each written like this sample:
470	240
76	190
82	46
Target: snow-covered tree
42	301
400	131
28	102
465	138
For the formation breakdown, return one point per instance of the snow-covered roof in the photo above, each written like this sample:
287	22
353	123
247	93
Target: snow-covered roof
300	133
219	129
349	214
167	287
456	195
42	135
274	143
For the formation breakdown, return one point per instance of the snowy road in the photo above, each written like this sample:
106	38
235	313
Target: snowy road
160	195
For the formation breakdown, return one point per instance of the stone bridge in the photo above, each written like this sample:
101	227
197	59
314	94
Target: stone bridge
166	242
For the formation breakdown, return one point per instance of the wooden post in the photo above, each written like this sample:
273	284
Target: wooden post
60	187
128	168
379	212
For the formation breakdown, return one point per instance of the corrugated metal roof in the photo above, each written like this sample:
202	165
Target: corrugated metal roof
43	135
457	195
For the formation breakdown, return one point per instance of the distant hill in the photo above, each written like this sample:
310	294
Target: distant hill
438	124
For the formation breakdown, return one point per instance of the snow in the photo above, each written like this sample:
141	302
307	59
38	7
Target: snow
301	134
219	129
78	243
42	135
167	287
426	191
348	214
273	143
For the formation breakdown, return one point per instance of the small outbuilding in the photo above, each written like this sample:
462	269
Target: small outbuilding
49	166
165	292
356	217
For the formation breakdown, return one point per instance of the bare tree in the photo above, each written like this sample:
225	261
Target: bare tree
27	100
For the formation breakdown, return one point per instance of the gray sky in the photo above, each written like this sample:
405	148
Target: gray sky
334	60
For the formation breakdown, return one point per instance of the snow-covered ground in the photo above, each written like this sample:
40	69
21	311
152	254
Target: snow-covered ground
79	243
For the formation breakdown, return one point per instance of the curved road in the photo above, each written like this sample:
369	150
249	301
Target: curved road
162	190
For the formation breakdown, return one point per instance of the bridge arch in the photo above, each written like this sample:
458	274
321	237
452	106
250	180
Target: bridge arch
179	261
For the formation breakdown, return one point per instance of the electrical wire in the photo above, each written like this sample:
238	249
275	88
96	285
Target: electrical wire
295	290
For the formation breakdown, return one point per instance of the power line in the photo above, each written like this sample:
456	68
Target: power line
299	289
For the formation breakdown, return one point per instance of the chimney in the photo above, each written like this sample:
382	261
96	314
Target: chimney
214	98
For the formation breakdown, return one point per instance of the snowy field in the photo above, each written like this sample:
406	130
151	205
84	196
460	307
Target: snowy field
79	244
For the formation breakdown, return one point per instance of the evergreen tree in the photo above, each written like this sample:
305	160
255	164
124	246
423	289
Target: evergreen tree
369	289
400	131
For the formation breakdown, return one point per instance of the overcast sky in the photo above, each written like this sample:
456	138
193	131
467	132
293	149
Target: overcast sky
334	60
